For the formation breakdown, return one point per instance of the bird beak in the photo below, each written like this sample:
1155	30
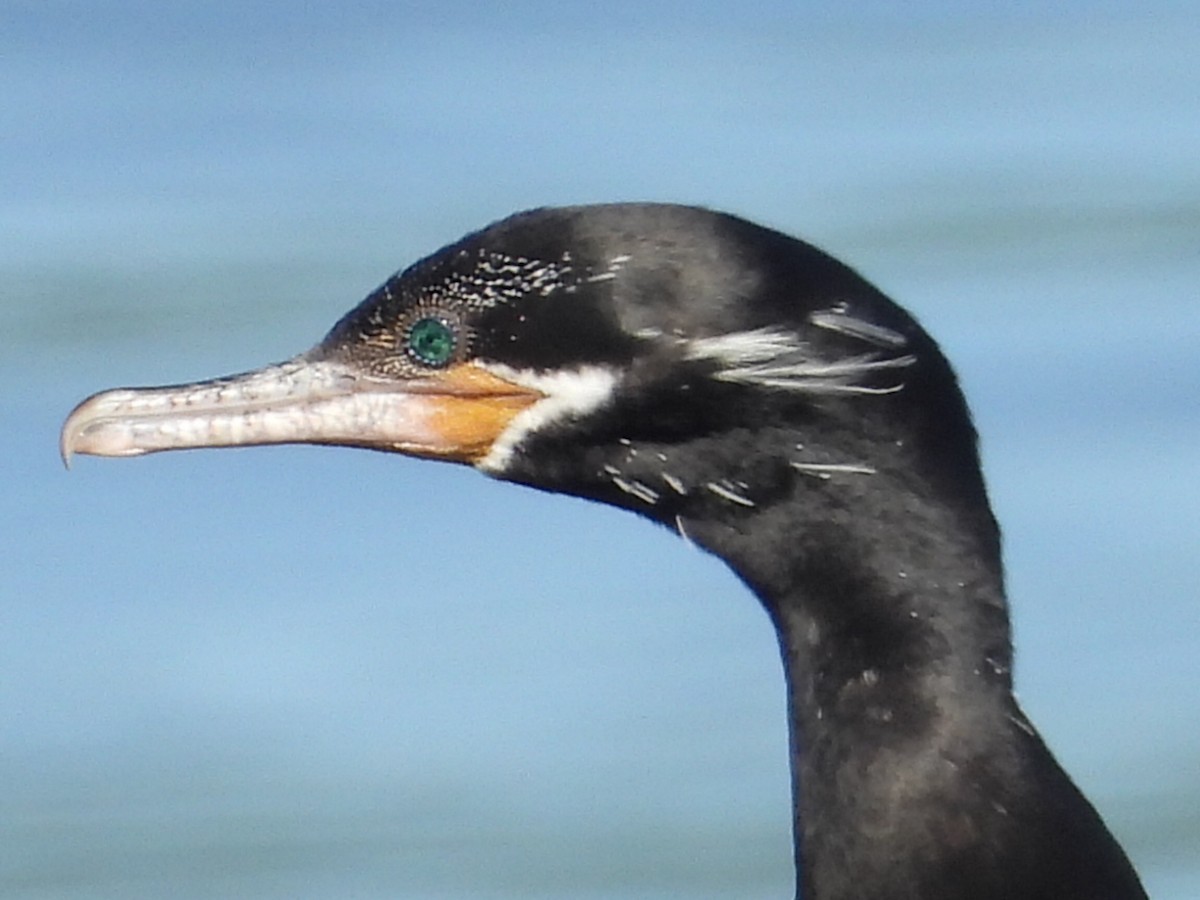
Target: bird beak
453	414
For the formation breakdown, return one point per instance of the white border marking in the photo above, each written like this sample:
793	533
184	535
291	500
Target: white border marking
567	393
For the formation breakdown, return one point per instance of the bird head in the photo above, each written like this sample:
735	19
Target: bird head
682	363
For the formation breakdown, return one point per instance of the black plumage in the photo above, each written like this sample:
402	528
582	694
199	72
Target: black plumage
761	398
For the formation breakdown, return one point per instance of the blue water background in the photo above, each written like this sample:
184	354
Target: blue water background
321	673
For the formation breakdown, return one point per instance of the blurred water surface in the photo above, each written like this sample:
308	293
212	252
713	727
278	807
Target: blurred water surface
299	672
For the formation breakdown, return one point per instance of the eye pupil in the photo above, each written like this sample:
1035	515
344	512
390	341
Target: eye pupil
431	341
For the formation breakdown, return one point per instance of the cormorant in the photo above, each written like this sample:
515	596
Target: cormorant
764	400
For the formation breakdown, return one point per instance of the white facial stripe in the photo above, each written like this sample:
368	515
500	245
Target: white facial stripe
843	323
777	359
568	392
818	377
742	348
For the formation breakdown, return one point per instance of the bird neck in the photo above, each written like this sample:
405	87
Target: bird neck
891	704
915	774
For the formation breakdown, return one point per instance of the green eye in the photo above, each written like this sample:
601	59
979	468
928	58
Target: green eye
431	341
